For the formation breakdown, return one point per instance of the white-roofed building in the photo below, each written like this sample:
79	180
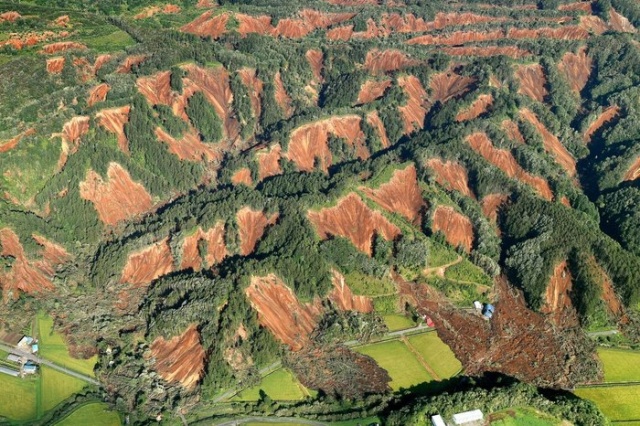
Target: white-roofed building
437	420
469	418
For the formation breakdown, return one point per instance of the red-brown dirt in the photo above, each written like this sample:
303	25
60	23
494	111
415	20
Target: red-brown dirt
216	248
374	120
491	204
400	195
609	296
248	24
10	16
606	116
18	41
100	61
414	112
569	32
310	141
145	265
455	226
582	6
504	160
532	81
340	33
576	68
354	2
558	292
311	20
13	142
207	25
452	19
281	312
451	175
251	226
114	119
633	172
255	86
448	85
74	129
129	62
551	143
352	219
315	59
62	21
179	359
405	23
203	4
593	24
620	23
62	46
98	94
344	298
512	130
189	147
282	98
372	90
381	61
148	12
269	161
156	88
476	109
484	51
28	275
457	38
242	176
55	65
118	198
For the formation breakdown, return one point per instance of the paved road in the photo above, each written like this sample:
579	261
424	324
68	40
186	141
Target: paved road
38	360
278	420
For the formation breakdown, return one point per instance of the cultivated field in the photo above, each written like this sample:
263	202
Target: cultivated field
56	387
618	403
18	401
620	365
53	347
436	353
280	385
522	417
95	414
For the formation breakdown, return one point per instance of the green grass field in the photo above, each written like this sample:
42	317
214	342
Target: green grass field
616	402
280	385
365	285
398	322
440	254
436	353
405	370
18	400
95	414
522	417
620	365
56	387
467	271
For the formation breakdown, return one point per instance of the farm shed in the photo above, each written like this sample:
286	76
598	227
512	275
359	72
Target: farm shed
9	371
468	418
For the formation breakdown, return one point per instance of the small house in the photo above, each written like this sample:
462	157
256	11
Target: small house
30	368
469	418
25	342
437	420
34	348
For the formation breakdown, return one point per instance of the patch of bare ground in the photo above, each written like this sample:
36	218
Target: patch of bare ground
354	220
62	46
189	147
251	226
551	143
633	172
248	24
147	264
486	51
269	161
118	197
315	58
448	85
382	61
242	177
98	94
567	32
129	62
113	120
593	24
532	81
148	12
576	68
282	97
491	205
611	300
579	6
72	132
372	90
374	120
10	16
340	33
558	296
512	130
606	116
344	299
620	23
255	87
476	109
505	161
7	146
400	195
457	38
414	112
216	249
55	65
451	175
456	227
207	25
179	359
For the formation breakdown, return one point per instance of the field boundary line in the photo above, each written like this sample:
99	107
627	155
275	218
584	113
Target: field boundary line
608	385
420	359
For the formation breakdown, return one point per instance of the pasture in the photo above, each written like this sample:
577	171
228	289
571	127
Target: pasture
396	322
522	417
95	414
620	365
19	398
436	353
618	403
56	387
280	385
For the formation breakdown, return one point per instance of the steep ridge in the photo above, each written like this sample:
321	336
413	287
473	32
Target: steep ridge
179	359
456	227
451	175
620	23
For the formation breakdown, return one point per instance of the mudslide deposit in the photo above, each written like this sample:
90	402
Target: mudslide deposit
216	250
189	147
576	68
251	226
344	299
606	116
179	359
98	94
376	122
558	293
382	61
372	90
114	119
451	175
282	97
532	81
456	227
269	161
415	111
551	143
448	85
476	109
147	264
242	177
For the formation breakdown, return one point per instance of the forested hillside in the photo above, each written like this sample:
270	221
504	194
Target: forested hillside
199	189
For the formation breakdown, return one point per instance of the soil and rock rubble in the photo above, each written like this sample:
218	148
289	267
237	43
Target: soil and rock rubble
242	177
216	248
451	175
382	61
372	90
532	81
269	161
148	12
557	298
147	264
189	147
251	226
414	111
449	85
113	120
456	227
179	359
476	109
576	68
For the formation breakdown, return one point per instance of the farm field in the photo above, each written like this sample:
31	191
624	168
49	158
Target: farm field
95	414
405	370
280	385
620	365
618	403
56	387
19	398
398	322
522	417
436	353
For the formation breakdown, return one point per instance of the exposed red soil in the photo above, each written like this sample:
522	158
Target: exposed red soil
282	98
504	160
569	32
156	88
443	20
114	119
18	41
98	94
13	142
340	33
180	359
315	58
448	85
451	175
129	62
372	90
353	219
281	312
620	23
374	120
609	296
476	109
405	23
400	195
84	69
189	147
485	51
345	299
148	264
354	2
255	86
311	20
576	68
63	46
512	130
148	12
203	4
207	25
580	6
74	129
457	38
551	143
55	65
251	226
216	248
414	112
381	61
606	116
10	16
248	24
242	176
100	61
558	292
565	201
26	275
633	172
491	204
532	81
118	198
594	24
269	161
62	21
311	141
455	226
